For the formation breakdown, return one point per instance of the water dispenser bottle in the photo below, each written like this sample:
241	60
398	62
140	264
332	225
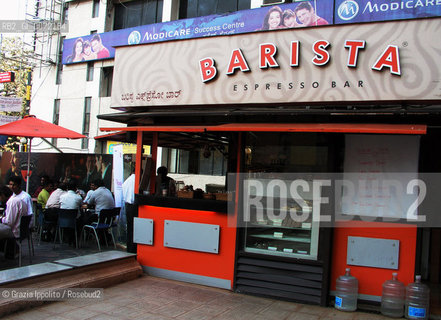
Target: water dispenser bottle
417	300
347	292
392	299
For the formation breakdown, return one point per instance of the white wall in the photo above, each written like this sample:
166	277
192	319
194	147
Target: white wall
74	87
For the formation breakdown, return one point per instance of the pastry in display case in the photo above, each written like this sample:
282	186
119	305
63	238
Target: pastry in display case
287	230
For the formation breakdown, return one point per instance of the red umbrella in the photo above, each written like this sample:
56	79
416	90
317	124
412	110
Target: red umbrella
31	127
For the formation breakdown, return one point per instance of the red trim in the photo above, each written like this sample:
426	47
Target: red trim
138	161
109	135
154	152
289	127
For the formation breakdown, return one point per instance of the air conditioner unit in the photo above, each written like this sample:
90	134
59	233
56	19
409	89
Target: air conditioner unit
272	2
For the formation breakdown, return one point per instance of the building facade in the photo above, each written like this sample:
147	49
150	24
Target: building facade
73	95
310	88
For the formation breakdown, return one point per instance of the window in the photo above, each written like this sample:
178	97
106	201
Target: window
86	122
199	8
106	82
56	116
89	72
95	8
274	2
137	13
208	161
59	61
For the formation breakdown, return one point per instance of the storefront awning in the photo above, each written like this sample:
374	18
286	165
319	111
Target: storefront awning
287	127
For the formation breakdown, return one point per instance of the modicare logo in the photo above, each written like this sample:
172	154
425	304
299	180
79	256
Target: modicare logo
134	37
347	10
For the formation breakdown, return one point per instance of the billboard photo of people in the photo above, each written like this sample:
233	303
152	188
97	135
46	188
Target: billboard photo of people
82	169
85	50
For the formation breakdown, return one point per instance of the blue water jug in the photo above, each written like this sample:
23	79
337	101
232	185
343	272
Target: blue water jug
347	292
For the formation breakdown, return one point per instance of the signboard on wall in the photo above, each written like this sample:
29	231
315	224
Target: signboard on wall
101	46
352	11
304	13
7	77
6	119
346	63
10	104
128	148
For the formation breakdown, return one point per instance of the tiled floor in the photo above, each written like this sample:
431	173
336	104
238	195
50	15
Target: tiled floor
161	299
45	252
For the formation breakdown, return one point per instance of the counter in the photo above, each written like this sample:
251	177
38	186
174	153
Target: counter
190	240
183	203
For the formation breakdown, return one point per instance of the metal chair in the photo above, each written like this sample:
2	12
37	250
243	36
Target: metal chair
105	223
25	233
47	219
67	219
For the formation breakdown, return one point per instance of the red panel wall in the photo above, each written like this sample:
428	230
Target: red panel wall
370	279
219	265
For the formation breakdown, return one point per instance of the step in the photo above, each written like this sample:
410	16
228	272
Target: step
99	270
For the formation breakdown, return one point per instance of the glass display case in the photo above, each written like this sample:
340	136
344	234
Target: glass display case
280	225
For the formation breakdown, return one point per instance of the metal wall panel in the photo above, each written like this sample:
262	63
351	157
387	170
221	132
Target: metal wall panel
191	236
373	252
143	231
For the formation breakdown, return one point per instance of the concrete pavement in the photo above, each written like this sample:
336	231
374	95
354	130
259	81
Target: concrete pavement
161	299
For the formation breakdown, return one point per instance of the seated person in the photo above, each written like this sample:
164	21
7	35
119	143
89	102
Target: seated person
101	198
5	194
43	181
44	194
54	198
89	193
165	186
70	199
16	207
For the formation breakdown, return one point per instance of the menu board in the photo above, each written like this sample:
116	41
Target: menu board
378	170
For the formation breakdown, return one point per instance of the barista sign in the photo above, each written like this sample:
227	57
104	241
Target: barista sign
267	58
317	65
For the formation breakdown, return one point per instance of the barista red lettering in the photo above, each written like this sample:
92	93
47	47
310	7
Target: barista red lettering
322	56
208	70
390	58
294	56
354	46
267	52
237	61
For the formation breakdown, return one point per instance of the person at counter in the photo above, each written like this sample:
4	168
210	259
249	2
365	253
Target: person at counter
128	188
165	186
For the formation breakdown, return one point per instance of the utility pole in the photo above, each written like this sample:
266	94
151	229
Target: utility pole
28	93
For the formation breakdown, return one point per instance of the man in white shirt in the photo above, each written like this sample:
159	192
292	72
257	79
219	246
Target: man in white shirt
54	198
102	198
70	199
26	197
89	193
73	201
16	207
128	189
